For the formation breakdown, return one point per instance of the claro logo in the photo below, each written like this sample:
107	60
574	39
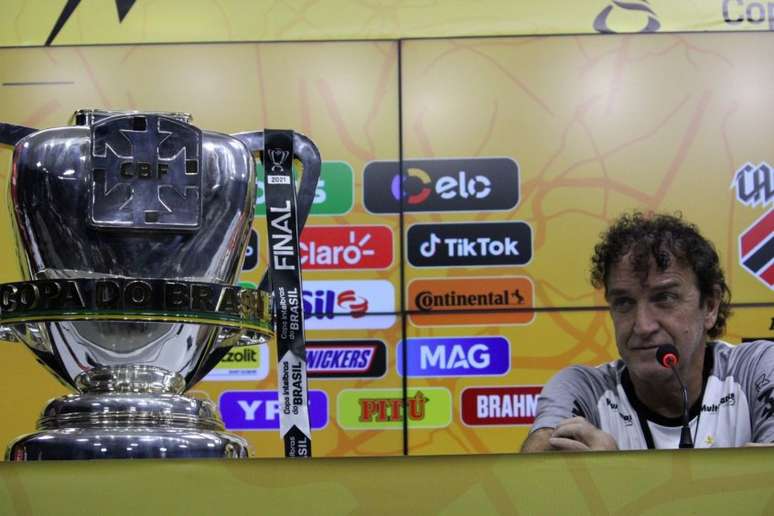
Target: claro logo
346	247
454	184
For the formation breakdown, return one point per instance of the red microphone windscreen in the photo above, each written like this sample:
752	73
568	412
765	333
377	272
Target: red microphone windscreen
667	355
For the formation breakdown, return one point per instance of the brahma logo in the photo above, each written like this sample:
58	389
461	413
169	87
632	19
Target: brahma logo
502	406
455	356
346	359
454	184
260	410
346	247
471	301
336	305
383	409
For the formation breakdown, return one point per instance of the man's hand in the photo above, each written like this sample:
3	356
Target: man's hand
577	434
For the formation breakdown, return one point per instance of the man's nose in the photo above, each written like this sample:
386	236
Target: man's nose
645	321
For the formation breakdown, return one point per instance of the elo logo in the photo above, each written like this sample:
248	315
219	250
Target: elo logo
454	356
330	305
476	244
259	410
346	247
459	184
515	405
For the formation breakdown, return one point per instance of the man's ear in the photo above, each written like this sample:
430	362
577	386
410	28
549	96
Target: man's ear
711	306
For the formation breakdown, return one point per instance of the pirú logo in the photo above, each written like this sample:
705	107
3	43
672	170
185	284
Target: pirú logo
346	247
471	301
391	409
513	405
383	409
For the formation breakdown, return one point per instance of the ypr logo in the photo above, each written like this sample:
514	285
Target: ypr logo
602	25
459	184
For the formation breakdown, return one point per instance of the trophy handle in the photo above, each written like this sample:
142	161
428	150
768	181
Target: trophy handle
306	151
10	134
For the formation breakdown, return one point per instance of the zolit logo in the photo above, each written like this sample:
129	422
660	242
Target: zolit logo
346	247
476	244
455	356
500	406
363	304
736	12
618	7
334	194
242	363
260	410
383	409
755	188
459	184
346	359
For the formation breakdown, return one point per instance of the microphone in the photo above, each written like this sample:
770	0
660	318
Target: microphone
668	356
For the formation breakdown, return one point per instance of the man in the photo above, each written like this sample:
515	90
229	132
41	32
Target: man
664	286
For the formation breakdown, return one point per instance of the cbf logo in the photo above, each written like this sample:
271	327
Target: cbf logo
145	173
364	304
626	11
458	184
754	185
454	356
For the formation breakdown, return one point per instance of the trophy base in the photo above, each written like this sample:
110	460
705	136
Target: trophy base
128	426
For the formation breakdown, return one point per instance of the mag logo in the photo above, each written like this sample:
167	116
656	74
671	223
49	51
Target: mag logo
383	409
450	184
242	363
351	305
334	195
454	356
472	301
474	244
260	410
346	247
487	406
346	358
754	185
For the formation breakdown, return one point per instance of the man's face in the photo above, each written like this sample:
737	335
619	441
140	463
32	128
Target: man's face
664	309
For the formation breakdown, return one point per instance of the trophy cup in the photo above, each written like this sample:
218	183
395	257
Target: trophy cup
131	230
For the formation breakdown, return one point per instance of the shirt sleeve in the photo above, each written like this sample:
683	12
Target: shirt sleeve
569	393
759	384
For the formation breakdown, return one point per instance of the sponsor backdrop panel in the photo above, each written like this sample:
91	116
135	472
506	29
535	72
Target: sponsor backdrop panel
347	360
519	152
344	96
35	22
494	372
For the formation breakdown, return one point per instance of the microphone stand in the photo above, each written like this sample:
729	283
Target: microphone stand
686	441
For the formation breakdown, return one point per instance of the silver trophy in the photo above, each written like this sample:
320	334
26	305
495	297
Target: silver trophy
131	230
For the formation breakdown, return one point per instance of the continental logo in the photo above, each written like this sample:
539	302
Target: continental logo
470	301
383	409
346	358
500	406
453	184
625	12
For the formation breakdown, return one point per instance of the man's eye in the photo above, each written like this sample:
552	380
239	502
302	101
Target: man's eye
622	304
665	298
